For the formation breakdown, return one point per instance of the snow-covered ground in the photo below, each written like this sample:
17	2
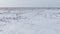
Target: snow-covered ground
29	21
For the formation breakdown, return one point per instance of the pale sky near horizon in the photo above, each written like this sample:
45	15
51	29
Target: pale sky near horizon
29	3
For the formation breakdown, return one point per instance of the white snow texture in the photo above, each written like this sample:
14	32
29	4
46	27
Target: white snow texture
29	21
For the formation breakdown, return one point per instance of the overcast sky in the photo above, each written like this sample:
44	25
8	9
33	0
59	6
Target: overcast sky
29	3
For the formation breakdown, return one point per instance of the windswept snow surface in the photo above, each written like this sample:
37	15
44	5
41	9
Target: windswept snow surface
37	21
